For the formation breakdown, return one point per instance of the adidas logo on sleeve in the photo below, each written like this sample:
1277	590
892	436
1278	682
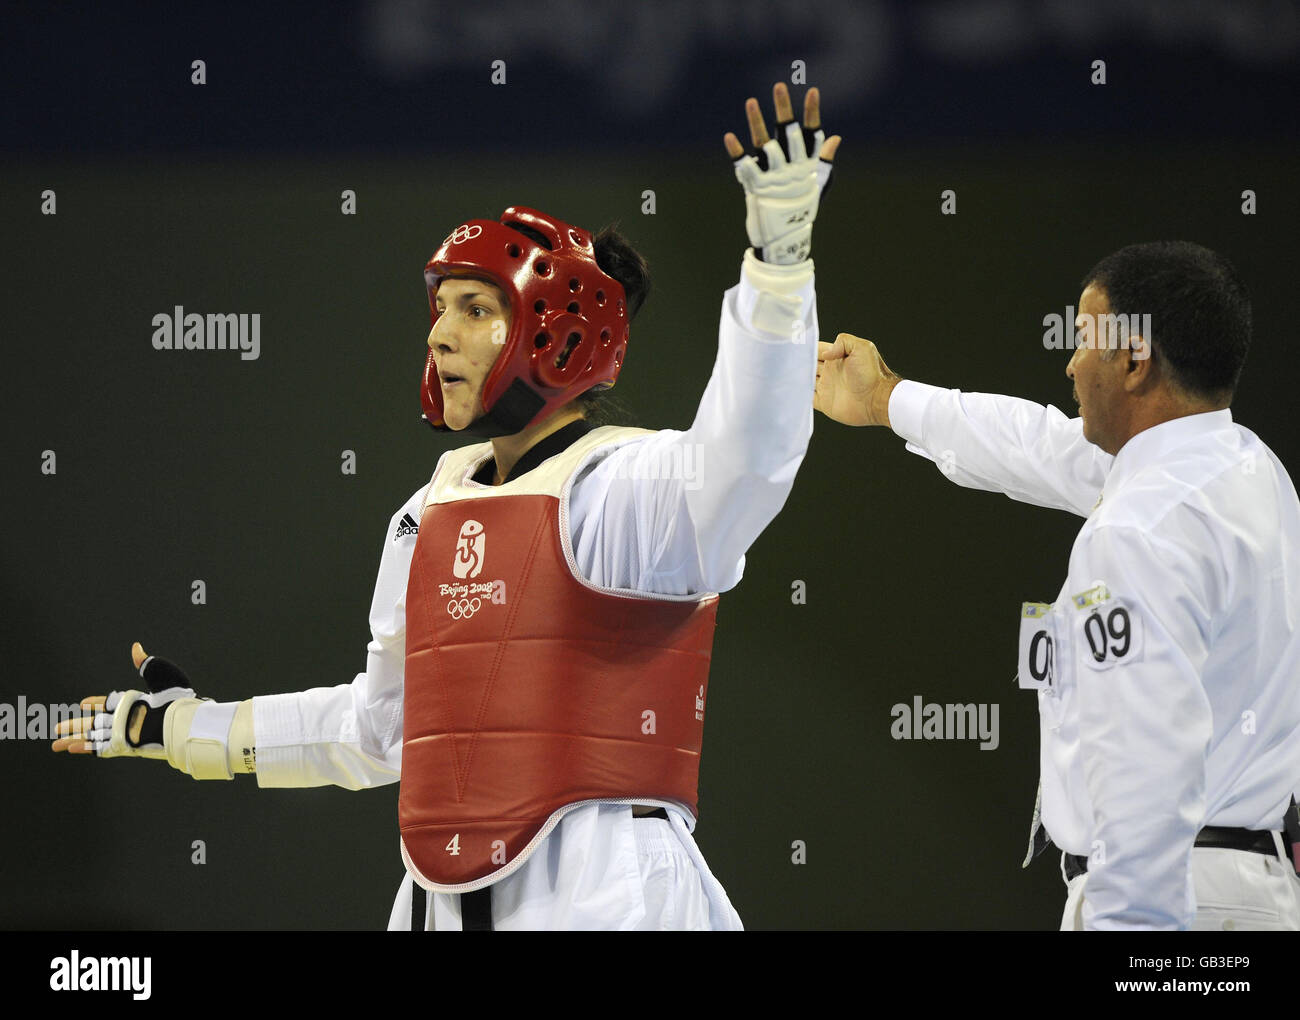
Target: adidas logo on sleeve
408	525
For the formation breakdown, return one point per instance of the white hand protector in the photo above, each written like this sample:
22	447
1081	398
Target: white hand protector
783	185
109	733
172	728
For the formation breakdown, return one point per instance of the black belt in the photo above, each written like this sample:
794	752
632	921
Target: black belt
476	910
1257	841
475	907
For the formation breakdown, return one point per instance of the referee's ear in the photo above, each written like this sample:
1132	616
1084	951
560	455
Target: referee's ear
1141	375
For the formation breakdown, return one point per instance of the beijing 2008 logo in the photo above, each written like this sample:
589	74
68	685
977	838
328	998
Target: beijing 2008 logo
465	232
465	595
466	564
470	546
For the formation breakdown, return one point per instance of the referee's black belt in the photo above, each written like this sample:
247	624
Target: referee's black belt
1257	841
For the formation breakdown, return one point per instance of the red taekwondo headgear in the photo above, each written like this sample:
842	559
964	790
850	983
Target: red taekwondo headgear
568	320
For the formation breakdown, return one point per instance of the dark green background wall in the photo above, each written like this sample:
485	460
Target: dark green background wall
178	466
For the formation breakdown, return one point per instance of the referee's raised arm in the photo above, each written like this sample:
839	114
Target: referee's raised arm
1030	452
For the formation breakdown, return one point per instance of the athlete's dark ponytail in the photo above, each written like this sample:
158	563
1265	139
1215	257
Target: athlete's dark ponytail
617	258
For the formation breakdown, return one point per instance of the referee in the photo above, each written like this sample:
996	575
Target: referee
1167	670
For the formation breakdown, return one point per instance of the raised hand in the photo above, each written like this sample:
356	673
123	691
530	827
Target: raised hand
785	178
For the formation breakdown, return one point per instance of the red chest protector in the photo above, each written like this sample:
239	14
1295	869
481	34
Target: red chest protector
527	689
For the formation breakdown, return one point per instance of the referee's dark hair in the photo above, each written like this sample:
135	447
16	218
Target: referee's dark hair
1199	308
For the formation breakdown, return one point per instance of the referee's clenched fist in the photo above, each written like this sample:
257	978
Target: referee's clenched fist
853	382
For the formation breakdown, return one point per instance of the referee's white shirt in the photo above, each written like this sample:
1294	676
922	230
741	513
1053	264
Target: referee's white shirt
630	528
1193	529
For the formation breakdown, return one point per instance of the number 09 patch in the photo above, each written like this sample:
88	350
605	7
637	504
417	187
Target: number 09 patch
1107	631
1038	642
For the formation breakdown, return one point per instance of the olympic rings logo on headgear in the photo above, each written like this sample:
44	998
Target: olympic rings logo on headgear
465	232
463	609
